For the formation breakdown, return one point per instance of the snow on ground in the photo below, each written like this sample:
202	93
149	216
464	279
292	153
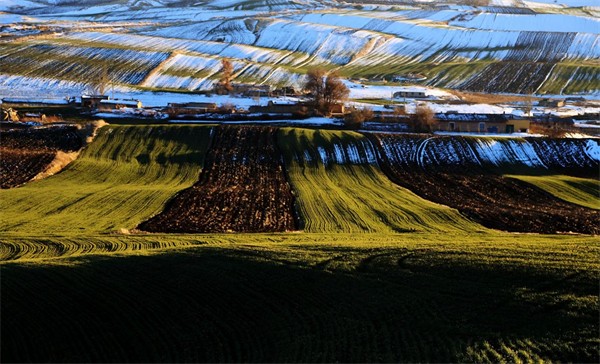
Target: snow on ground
564	3
592	149
490	135
8	5
6	18
359	91
534	23
495	152
310	121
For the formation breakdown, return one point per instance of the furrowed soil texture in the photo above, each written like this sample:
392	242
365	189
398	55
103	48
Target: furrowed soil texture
24	153
242	189
478	192
122	178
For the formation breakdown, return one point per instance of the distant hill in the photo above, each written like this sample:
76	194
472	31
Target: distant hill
485	46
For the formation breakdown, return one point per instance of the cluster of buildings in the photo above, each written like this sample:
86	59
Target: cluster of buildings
451	121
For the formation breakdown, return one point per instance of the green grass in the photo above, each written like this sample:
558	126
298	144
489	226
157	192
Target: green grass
359	197
580	191
122	178
310	297
448	291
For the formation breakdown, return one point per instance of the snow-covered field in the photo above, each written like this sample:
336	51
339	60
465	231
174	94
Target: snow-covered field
510	46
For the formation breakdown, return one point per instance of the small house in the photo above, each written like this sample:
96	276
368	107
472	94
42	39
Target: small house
413	94
285	91
109	105
551	103
192	107
91	101
337	110
481	123
279	108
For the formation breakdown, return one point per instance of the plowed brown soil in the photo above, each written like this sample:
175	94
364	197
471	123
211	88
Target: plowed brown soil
491	199
243	188
25	153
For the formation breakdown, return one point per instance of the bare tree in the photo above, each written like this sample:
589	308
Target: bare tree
224	86
335	91
357	117
424	119
315	85
326	89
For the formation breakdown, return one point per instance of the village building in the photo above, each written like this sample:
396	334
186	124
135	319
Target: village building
481	123
192	107
91	101
410	94
337	110
285	91
551	103
110	105
250	90
279	108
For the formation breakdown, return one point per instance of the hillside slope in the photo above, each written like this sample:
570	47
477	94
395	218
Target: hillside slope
341	189
178	45
123	177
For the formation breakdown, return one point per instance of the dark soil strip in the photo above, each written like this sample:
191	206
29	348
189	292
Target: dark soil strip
25	153
243	188
492	200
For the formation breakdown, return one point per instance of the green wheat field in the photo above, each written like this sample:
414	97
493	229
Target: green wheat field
375	273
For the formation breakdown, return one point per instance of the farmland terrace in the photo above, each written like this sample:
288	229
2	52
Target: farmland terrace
527	47
350	217
223	243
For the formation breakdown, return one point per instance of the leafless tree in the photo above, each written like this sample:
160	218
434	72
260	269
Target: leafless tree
357	117
424	120
335	91
315	85
224	86
326	89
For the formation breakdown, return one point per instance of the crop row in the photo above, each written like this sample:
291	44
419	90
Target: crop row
73	63
341	189
339	184
125	176
307	298
242	189
491	199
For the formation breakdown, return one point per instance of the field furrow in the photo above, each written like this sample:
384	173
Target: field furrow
242	189
341	189
476	190
122	178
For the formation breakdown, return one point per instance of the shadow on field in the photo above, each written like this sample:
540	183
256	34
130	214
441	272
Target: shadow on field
215	305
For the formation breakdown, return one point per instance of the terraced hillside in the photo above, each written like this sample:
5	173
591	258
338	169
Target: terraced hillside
74	289
125	176
459	172
172	45
341	189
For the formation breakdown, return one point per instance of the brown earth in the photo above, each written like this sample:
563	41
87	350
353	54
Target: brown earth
243	188
486	197
25	153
